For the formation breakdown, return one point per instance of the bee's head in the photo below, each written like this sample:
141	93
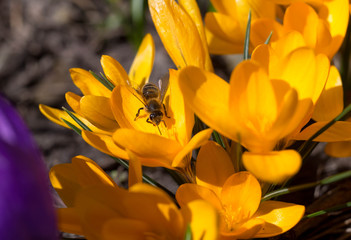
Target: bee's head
156	117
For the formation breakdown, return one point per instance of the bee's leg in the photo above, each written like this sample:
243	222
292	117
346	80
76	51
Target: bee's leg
164	122
149	121
138	113
164	108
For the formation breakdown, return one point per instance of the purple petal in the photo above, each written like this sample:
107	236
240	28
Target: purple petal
26	207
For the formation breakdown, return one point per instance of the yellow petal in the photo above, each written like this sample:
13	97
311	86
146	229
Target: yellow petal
274	167
135	171
331	101
193	11
336	13
55	115
262	28
113	70
227	7
189	192
68	179
208	96
301	17
141	68
213	167
203	219
339	131
124	228
217	45
178	33
87	83
299	70
73	101
150	204
338	149
240	197
279	217
247	230
104	143
253	99
225	27
97	110
147	145
198	140
69	221
182	117
97	205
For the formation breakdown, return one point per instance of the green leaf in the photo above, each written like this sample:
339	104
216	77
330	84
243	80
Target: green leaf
325	181
332	209
269	38
217	137
103	80
74	128
247	38
188	235
79	122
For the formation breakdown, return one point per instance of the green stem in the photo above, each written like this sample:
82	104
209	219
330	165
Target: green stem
325	181
332	209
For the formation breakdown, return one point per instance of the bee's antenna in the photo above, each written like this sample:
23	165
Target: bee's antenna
159	130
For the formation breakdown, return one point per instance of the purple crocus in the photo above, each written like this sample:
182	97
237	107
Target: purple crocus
26	207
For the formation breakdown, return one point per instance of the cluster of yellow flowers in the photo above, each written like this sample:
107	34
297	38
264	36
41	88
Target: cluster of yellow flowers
256	116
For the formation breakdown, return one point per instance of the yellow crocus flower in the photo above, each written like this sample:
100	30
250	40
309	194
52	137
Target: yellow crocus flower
268	100
322	33
237	197
111	116
225	29
99	209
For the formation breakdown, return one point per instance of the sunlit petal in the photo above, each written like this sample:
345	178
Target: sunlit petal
104	143
247	230
208	96
203	219
87	83
147	145
178	33
330	103
189	192
97	110
196	141
114	71
273	167
213	167
142	65
240	197
279	217
339	131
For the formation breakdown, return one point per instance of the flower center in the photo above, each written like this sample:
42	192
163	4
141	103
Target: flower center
234	217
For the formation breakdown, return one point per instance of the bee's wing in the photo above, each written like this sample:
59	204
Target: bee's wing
162	84
135	89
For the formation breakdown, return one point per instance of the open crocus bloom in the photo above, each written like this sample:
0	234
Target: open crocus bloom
225	29
99	209
323	29
237	197
269	99
111	116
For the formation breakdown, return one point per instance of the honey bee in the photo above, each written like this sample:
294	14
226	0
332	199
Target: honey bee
152	98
